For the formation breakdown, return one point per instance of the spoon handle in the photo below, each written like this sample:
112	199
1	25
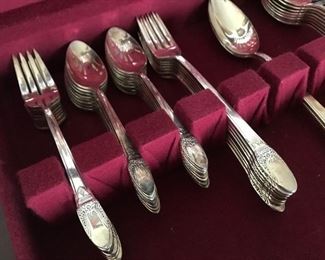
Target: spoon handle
140	173
193	155
152	96
262	56
113	123
92	217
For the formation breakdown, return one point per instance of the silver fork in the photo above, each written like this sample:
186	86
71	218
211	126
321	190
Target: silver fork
40	93
163	52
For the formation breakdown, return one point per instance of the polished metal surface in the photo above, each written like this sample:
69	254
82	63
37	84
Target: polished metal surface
315	108
238	36
268	173
234	30
86	81
297	12
127	63
40	94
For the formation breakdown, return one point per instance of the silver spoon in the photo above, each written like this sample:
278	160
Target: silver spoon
86	77
238	36
234	30
128	64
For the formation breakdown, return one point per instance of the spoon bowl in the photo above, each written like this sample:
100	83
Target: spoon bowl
124	51
126	59
234	30
85	66
85	73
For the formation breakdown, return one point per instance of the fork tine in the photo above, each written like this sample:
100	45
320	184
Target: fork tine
156	31
20	77
151	33
43	70
144	32
35	72
28	75
163	27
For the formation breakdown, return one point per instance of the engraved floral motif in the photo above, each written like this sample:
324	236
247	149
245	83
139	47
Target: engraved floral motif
99	229
264	156
144	184
195	160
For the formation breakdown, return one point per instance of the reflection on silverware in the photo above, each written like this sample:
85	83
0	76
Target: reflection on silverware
42	101
127	63
86	81
298	12
267	172
237	35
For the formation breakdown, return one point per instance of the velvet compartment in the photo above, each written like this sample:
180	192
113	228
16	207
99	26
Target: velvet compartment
226	221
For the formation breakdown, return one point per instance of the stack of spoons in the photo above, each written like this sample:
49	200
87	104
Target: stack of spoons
127	63
86	80
78	88
297	12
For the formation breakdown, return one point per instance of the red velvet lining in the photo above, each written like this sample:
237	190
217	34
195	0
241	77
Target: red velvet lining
15	4
247	93
313	53
225	221
46	189
156	138
288	78
204	116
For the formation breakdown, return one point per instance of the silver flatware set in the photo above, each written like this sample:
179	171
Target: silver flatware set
127	63
86	81
267	172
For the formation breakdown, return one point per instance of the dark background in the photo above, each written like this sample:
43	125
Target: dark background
5	245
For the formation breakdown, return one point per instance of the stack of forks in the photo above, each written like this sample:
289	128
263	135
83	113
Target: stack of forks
268	173
297	12
30	91
40	94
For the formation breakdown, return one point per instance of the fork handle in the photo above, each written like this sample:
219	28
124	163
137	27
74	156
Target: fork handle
238	122
197	76
315	108
262	56
101	231
70	166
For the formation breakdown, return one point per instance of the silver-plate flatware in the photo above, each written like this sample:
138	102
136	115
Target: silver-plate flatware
86	81
267	172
